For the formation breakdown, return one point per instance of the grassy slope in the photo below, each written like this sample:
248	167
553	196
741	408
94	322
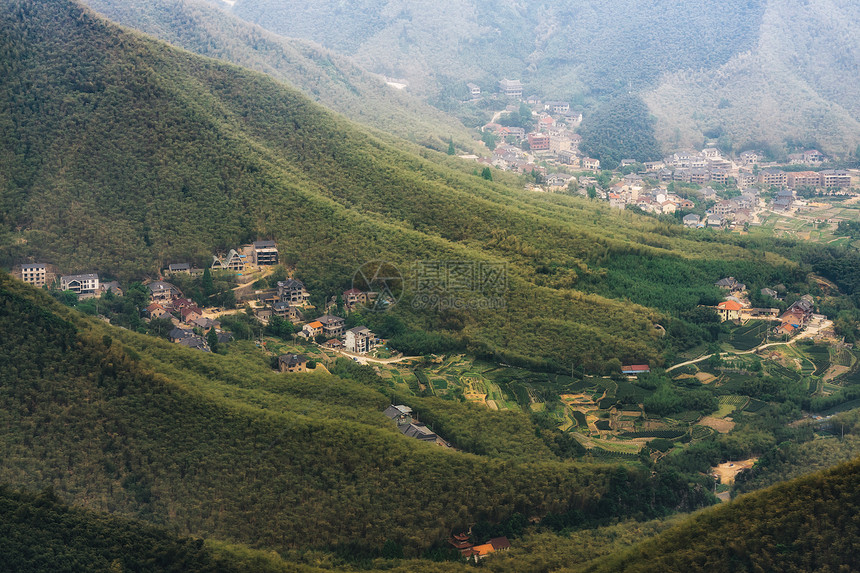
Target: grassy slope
808	524
183	155
794	84
325	77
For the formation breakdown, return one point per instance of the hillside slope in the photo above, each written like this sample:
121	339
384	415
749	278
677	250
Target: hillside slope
322	75
223	446
559	47
809	524
183	156
798	83
771	70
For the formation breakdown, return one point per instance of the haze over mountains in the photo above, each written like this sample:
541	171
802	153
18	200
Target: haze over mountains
771	70
120	153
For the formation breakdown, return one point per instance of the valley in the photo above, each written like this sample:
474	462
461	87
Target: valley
265	310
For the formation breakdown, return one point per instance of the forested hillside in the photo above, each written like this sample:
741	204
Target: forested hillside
223	446
809	524
556	47
40	534
321	74
121	154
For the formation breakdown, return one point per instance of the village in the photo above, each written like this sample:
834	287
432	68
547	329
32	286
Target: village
609	415
193	324
707	187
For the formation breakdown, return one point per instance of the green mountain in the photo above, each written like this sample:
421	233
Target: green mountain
321	74
552	45
121	154
762	70
41	534
227	448
808	524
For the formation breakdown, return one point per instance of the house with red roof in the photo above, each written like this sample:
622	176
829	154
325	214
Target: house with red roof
635	369
729	310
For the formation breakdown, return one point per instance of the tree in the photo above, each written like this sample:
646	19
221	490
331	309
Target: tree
212	340
451	150
489	140
207	284
160	327
487	174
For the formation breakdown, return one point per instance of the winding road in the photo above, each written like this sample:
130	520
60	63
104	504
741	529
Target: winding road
808	333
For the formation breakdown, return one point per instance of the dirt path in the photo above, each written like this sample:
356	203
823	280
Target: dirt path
364	359
808	333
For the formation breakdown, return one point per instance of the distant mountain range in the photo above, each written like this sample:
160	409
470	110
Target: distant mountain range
760	70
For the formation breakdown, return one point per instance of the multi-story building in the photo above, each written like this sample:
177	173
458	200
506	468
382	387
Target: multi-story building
799	179
293	291
36	274
557	106
834	178
538	142
511	88
265	253
83	284
332	326
590	163
233	262
292	363
358	339
773	177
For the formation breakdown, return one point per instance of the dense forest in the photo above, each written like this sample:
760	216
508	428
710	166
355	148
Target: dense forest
185	156
790	87
620	129
548	44
40	534
223	446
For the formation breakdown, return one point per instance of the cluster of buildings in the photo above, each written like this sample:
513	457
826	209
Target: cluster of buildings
462	542
736	307
709	165
797	316
260	253
85	285
553	141
291	301
358	340
409	426
189	323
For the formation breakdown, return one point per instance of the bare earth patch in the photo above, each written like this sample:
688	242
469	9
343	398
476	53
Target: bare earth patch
705	378
835	371
727	471
718	424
